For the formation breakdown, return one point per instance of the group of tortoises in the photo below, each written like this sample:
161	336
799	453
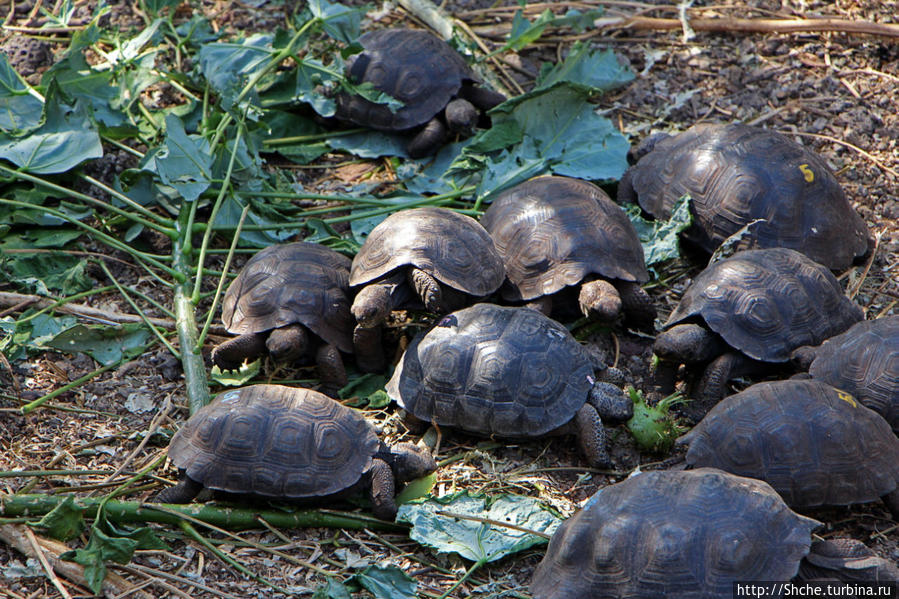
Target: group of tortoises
552	247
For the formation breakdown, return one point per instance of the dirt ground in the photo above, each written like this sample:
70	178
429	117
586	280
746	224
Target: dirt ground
832	92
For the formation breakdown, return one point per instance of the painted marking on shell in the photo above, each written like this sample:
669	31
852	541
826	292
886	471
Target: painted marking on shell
808	173
847	398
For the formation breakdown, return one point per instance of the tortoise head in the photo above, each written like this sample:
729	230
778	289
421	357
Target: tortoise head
372	305
411	461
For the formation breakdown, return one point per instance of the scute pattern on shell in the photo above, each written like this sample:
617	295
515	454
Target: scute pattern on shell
766	303
864	361
452	247
413	66
492	370
275	441
554	231
687	534
736	174
814	444
303	283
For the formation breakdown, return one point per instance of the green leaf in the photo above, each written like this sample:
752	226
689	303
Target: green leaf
313	78
41	273
333	589
19	110
371	144
229	66
64	522
67	138
101	548
596	70
323	233
339	21
183	162
416	489
387	582
660	238
433	524
525	32
106	344
236	378
577	20
362	388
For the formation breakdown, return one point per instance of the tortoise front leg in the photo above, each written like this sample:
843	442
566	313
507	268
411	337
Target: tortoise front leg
637	304
427	288
427	140
368	349
288	343
383	490
186	489
331	370
231	354
591	436
712	387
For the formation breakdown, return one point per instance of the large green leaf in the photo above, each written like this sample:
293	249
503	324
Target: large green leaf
433	524
229	66
387	582
182	161
19	110
67	138
106	344
339	21
42	273
596	70
64	522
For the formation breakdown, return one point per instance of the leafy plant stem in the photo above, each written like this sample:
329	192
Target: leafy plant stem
30	473
210	223
467	575
221	284
124	147
196	384
283	141
165	225
32	406
107	239
140	312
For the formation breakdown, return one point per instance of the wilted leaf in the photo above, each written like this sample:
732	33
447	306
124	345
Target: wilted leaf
339	21
595	70
229	66
660	238
106	344
43	273
235	378
30	569
333	589
433	524
64	522
387	582
525	32
101	548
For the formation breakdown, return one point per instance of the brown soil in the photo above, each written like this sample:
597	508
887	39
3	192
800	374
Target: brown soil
832	92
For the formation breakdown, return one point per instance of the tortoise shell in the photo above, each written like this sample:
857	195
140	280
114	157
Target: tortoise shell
413	66
688	534
814	444
489	370
737	174
553	231
303	283
453	248
864	361
766	303
275	441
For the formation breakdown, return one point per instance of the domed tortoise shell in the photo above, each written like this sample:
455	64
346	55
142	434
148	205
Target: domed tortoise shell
275	441
453	248
766	303
487	369
303	283
688	534
814	444
737	174
554	231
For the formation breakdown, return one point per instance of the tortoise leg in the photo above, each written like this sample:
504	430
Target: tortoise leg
637	304
591	437
664	376
186	489
368	349
231	354
626	192
331	370
287	343
891	500
427	288
846	560
688	343
427	140
383	490
712	387
610	402
414	425
461	116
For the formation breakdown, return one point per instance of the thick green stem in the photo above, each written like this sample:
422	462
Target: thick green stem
36	505
196	384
